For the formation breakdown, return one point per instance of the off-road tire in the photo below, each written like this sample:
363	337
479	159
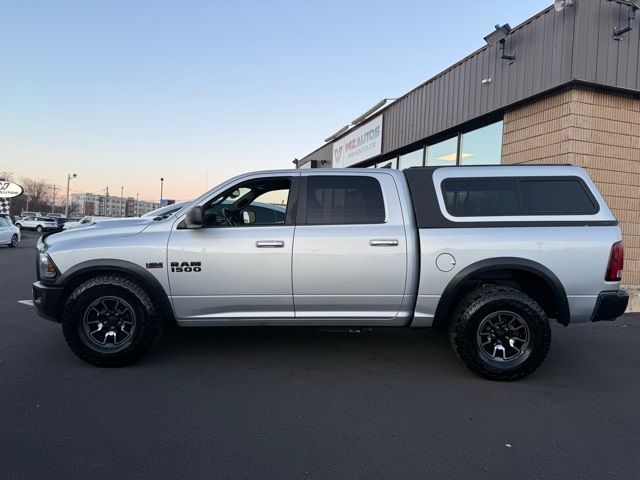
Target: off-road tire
14	241
148	323
479	304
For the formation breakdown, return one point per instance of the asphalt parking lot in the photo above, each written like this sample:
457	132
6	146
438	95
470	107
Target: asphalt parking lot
298	403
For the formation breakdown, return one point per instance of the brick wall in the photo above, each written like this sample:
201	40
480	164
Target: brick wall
597	130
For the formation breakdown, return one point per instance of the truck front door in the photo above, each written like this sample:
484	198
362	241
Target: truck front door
237	268
350	249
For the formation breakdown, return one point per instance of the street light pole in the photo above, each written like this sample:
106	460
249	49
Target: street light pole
121	194
161	186
137	208
66	204
53	202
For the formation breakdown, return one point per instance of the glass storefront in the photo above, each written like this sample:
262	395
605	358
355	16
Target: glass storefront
482	146
413	159
443	153
393	163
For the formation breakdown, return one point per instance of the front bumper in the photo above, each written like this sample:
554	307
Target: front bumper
46	299
610	305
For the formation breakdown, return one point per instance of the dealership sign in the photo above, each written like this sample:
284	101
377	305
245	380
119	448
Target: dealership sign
361	144
10	190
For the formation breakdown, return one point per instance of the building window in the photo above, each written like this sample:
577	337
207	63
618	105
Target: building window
482	146
392	163
413	159
443	153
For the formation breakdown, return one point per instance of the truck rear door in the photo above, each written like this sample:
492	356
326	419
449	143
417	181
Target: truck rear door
350	249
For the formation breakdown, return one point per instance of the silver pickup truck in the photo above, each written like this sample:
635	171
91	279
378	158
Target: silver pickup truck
490	253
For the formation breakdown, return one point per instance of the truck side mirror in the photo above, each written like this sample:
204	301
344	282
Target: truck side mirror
248	217
194	218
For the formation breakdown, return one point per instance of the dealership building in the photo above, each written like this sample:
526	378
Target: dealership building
563	87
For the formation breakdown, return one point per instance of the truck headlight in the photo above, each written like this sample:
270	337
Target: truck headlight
48	269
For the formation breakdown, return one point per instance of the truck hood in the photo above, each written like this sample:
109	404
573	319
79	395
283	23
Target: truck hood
101	228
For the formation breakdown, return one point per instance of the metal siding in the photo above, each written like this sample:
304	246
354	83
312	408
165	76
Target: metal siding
323	153
604	29
598	58
633	63
548	45
552	49
420	126
458	93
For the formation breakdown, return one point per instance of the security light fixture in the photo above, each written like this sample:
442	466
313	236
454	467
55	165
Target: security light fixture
507	56
337	134
618	32
560	5
498	36
500	33
372	110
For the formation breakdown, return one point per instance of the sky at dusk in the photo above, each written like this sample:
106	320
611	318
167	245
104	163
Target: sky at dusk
123	93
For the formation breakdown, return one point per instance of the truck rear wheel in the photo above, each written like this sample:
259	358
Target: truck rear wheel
500	333
106	323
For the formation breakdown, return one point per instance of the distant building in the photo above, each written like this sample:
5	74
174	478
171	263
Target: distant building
111	206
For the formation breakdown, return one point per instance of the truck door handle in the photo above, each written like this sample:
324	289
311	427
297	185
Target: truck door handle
270	244
383	243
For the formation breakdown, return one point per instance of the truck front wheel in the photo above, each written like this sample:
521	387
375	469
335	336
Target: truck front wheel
106	323
500	333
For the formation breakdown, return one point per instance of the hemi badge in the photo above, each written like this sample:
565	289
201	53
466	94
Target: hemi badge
154	265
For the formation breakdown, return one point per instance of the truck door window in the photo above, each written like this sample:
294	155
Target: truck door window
339	199
256	202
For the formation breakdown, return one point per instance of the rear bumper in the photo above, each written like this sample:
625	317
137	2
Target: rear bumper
610	305
46	299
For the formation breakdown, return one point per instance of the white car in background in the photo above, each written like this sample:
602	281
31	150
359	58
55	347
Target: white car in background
39	224
9	233
85	222
165	212
30	214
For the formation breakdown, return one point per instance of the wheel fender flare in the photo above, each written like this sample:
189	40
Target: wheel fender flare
147	281
509	263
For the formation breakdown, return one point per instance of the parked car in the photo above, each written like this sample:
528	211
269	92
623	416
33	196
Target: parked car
9	233
60	219
30	214
85	221
489	252
39	224
164	212
7	217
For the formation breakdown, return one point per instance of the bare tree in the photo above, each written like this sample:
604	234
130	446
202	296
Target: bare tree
73	208
38	191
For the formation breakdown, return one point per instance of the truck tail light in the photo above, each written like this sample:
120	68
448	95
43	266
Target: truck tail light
616	263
